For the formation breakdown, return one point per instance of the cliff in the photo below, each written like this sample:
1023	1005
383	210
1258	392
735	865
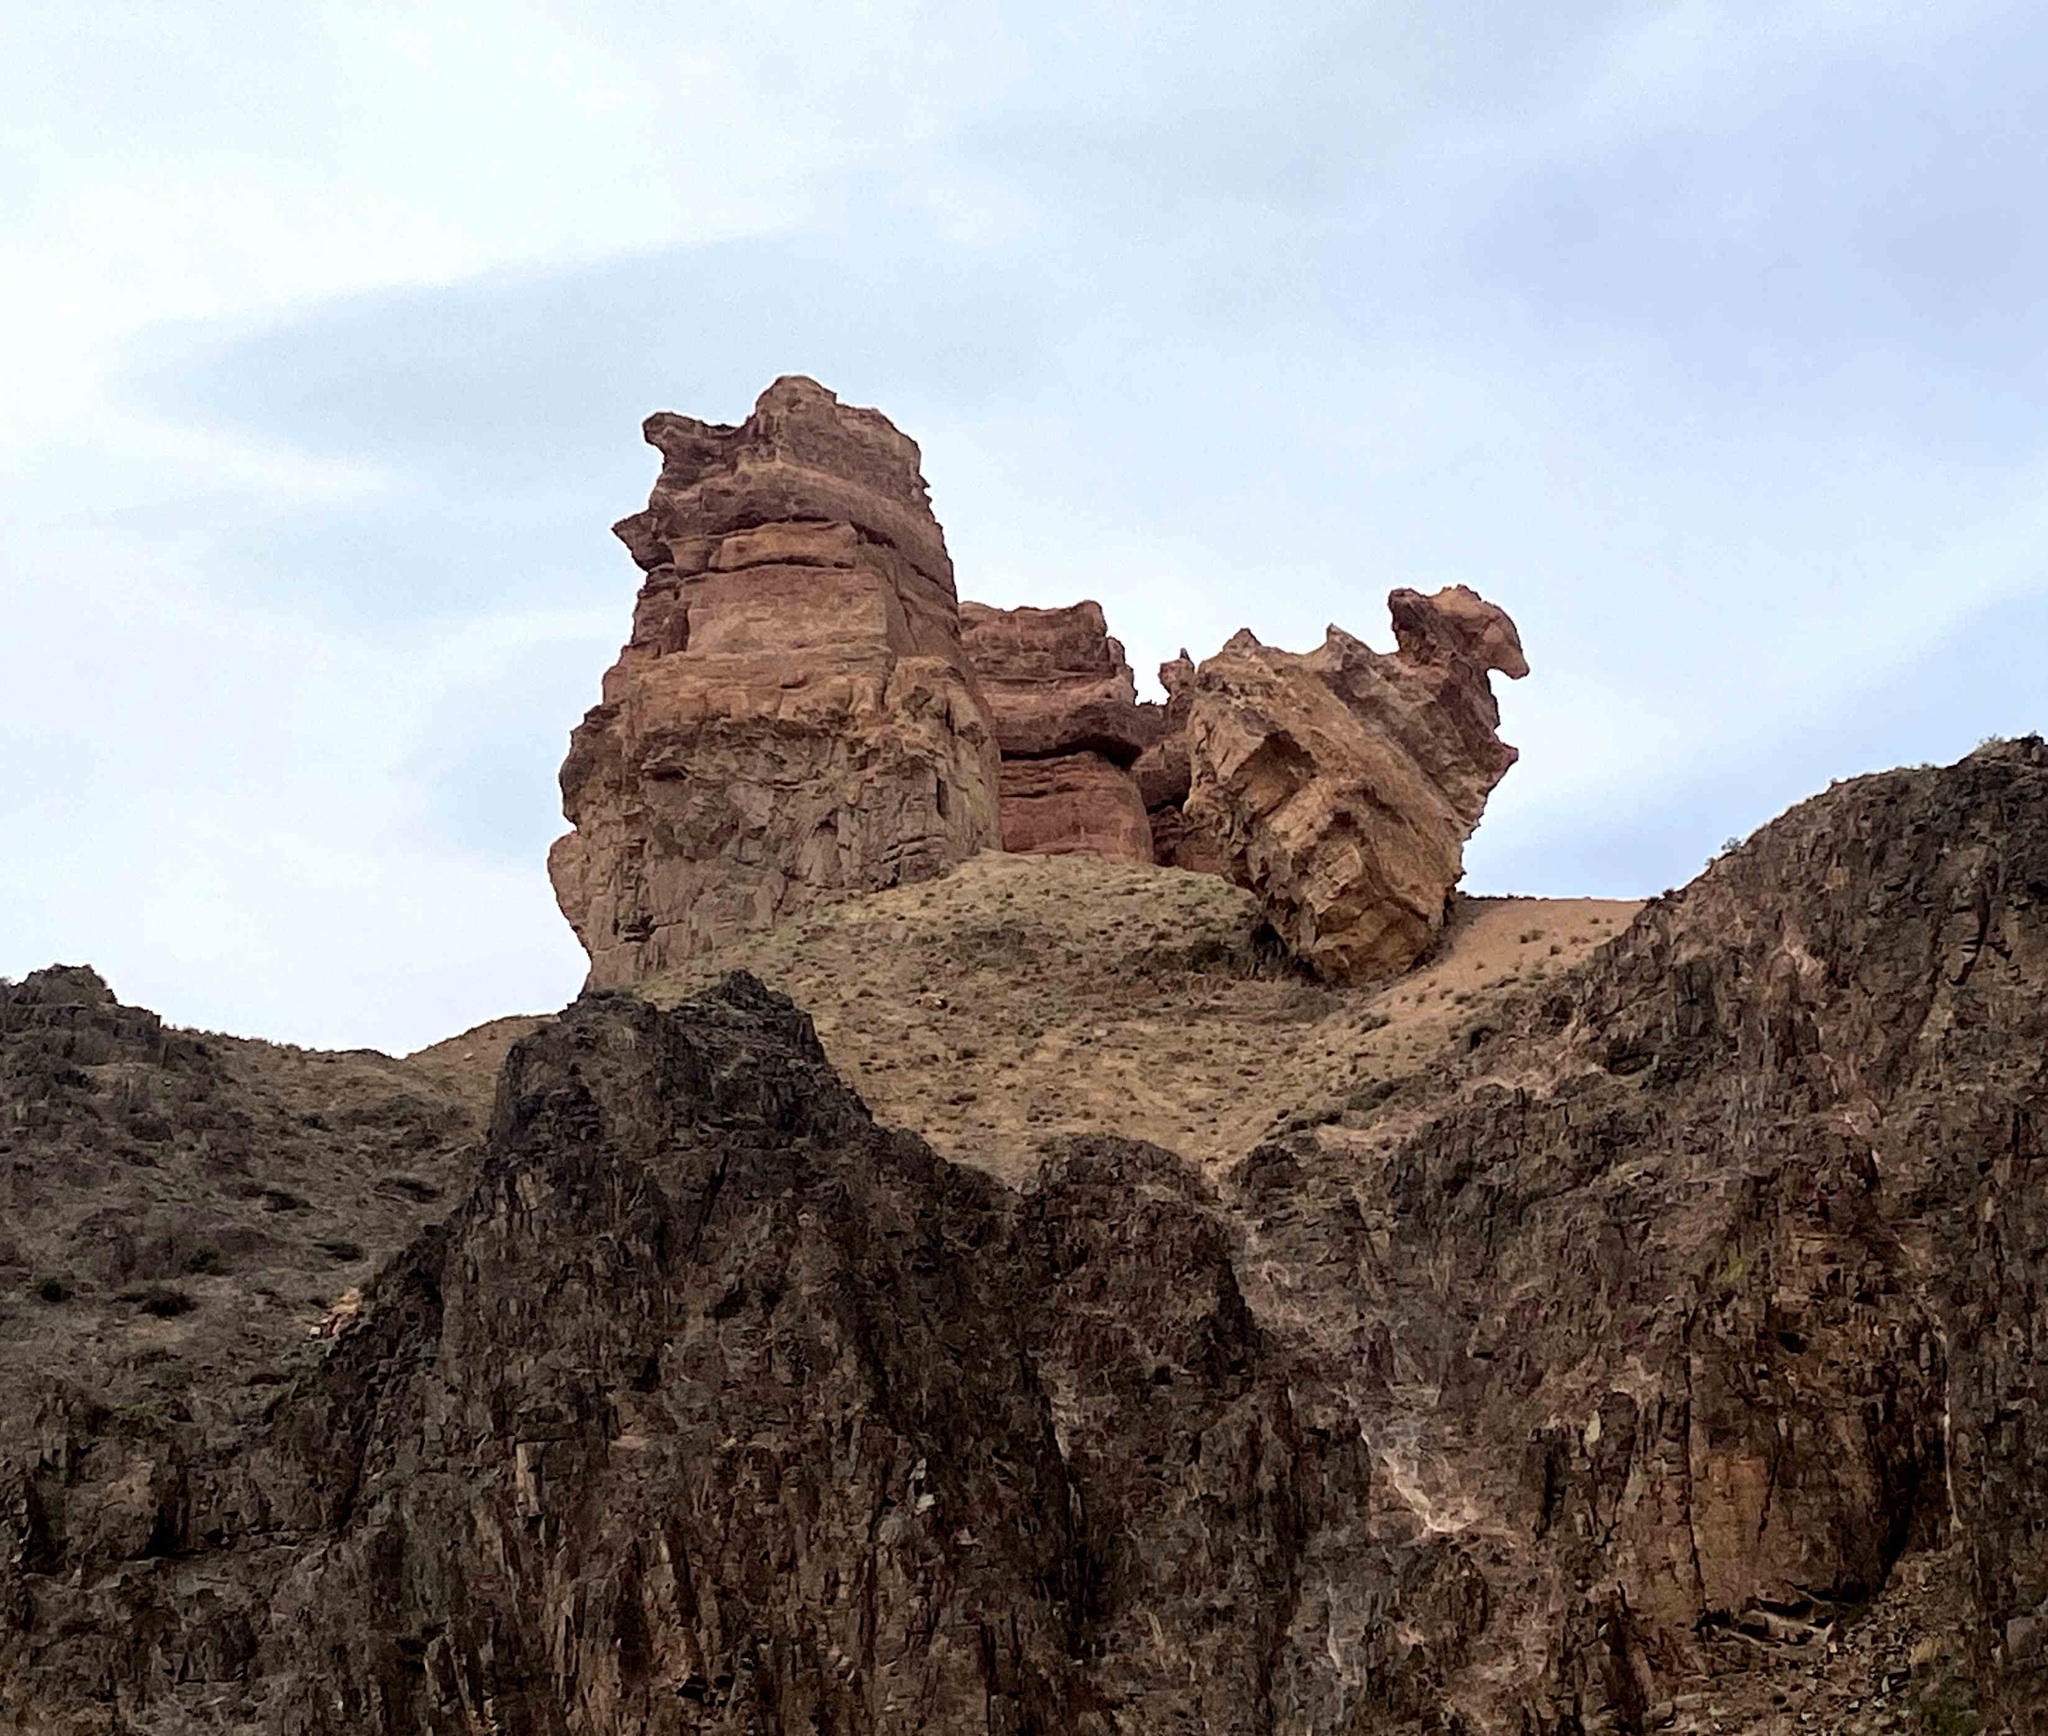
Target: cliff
1658	1350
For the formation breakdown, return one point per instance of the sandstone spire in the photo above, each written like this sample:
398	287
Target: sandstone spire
793	717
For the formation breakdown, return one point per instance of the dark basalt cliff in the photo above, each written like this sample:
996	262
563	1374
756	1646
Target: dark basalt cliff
1668	1354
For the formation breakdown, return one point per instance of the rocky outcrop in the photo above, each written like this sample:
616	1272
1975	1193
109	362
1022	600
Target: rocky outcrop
1069	725
1665	1353
1339	786
1716	1277
805	711
793	718
717	1407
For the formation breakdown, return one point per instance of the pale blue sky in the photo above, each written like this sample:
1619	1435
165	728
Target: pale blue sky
1708	339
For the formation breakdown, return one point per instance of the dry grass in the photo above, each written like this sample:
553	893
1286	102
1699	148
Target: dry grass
1025	996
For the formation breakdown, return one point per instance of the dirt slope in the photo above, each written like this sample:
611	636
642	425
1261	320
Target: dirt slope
1022	997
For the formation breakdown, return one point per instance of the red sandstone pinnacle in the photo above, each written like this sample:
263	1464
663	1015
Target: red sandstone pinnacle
793	717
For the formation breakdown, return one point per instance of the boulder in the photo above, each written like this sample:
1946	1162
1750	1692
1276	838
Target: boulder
793	718
1069	726
1340	785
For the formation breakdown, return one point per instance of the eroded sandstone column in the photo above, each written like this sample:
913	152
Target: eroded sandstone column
794	717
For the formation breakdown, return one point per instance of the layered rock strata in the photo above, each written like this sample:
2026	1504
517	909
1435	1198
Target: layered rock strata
793	717
1069	727
1339	786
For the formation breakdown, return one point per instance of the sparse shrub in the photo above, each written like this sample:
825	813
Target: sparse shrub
53	1290
205	1263
164	1301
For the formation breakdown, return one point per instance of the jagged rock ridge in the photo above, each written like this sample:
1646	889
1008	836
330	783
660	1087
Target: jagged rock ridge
1594	1377
793	717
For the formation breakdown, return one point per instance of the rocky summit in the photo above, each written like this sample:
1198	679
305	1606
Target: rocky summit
1055	1217
806	712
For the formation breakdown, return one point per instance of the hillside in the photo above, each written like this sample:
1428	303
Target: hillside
1639	1335
1027	996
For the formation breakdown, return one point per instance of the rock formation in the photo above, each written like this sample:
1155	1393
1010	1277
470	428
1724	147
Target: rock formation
805	711
1666	1353
1069	726
793	717
1339	786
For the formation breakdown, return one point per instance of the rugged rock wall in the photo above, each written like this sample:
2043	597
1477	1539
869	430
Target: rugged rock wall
793	717
715	1408
1594	1378
1717	1277
1069	725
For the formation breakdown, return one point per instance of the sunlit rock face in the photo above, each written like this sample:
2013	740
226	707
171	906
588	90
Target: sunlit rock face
793	717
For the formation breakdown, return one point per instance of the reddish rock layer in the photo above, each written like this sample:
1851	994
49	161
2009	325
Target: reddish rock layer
1074	804
1068	723
794	717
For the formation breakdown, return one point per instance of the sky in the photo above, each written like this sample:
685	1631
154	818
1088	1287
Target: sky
1708	339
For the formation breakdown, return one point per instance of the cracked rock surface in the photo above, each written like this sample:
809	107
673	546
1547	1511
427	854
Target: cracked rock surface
1663	1352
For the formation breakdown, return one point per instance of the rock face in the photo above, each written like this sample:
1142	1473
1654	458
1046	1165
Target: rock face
716	1407
1339	786
1665	1353
1069	726
794	717
1074	804
1717	1277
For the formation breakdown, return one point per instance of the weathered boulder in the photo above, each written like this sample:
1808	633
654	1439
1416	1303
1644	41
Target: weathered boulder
793	717
1340	785
1069	724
